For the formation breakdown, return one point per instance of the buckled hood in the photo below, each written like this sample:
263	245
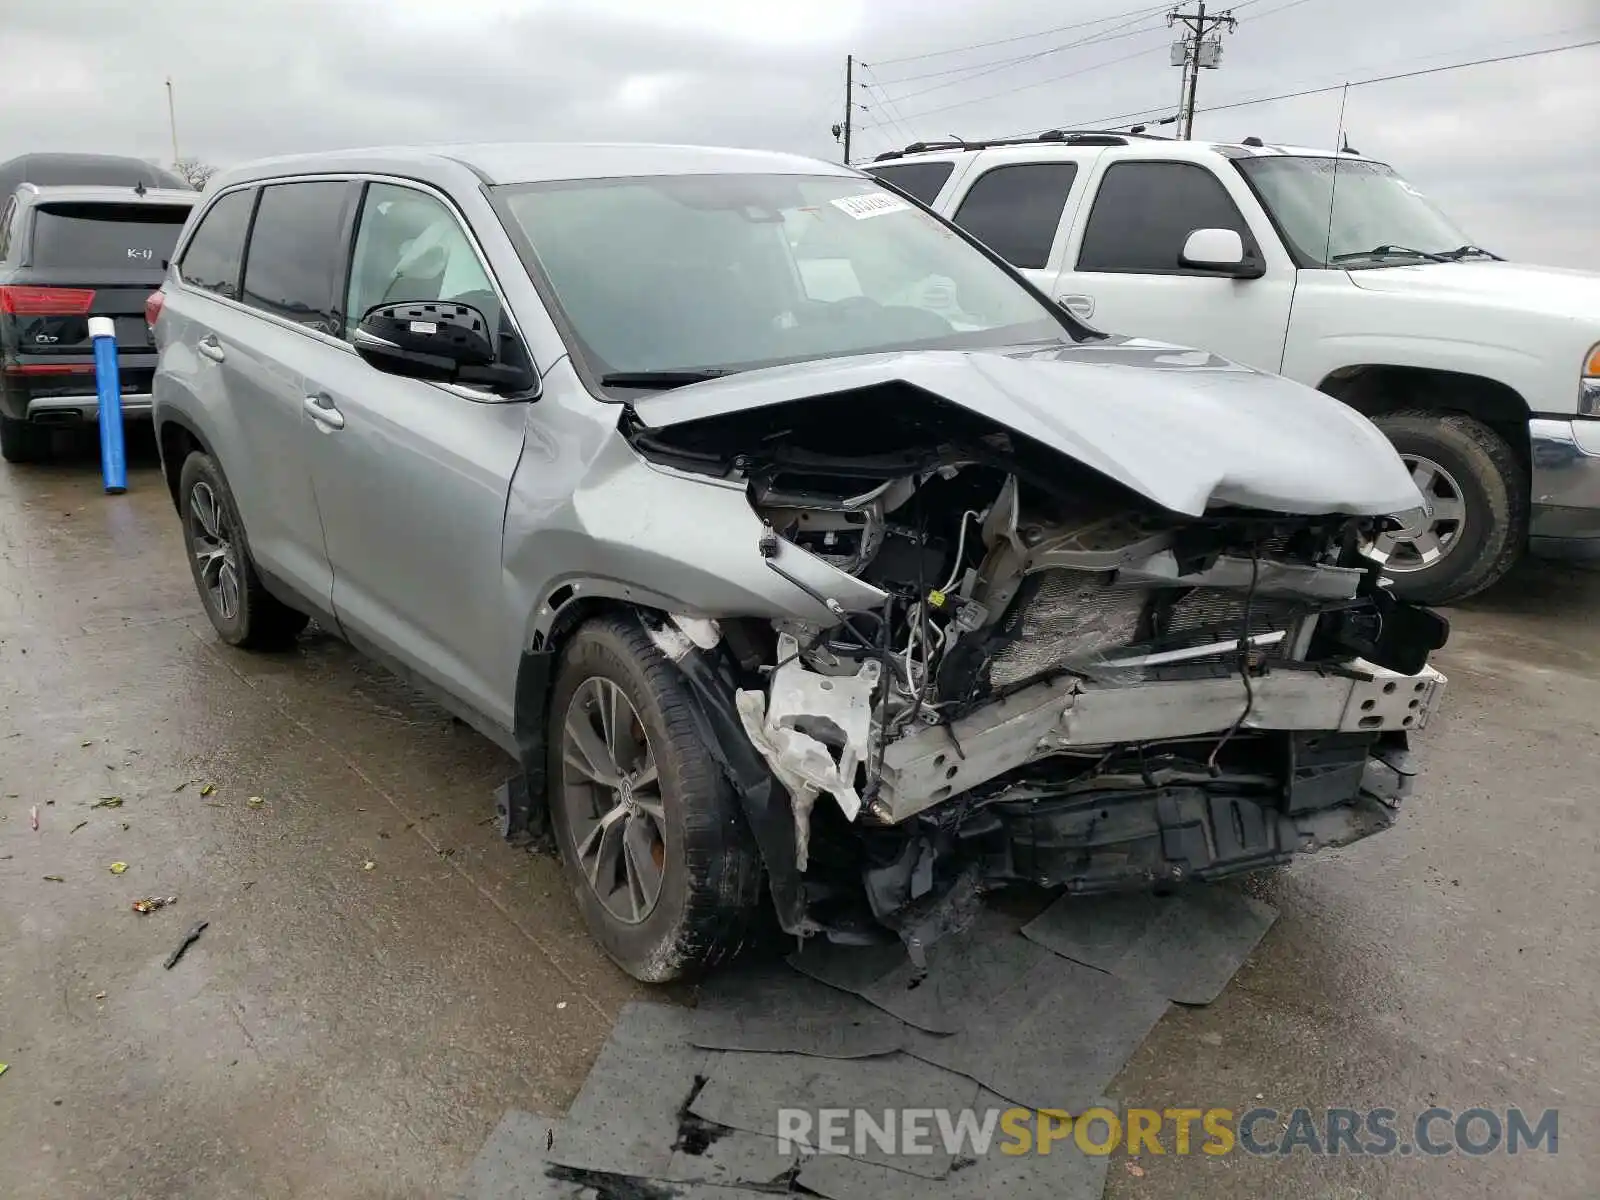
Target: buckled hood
1184	428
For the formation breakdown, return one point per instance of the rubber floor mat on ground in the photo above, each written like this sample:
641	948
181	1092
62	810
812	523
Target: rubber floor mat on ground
1053	1040
966	971
1065	1173
512	1165
1186	946
768	1007
747	1092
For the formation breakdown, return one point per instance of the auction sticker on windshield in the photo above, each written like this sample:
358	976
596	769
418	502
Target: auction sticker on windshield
862	207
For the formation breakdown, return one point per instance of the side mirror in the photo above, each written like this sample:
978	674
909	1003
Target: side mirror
436	340
1220	251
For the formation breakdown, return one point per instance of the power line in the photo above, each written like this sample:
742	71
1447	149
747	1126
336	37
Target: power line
887	102
1021	37
1478	62
1039	82
1270	11
1317	91
986	68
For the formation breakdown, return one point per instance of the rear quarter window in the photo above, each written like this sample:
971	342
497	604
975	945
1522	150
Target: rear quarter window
922	180
215	254
106	235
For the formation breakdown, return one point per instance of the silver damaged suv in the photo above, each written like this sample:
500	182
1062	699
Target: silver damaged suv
800	551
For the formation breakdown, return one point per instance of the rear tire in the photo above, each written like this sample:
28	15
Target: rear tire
242	611
677	810
21	442
1473	473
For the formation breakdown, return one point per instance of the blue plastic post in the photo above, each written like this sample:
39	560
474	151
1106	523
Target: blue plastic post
108	385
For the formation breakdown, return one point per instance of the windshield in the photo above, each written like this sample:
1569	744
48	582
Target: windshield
693	273
1371	208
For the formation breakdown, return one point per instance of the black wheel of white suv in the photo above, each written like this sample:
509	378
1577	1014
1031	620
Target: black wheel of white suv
655	846
241	609
1475	485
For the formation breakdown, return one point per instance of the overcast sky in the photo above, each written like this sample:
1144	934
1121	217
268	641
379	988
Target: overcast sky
1510	150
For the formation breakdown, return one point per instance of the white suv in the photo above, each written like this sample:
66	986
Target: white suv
1331	269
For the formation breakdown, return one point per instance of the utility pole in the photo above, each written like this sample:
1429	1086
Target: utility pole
841	131
1196	51
172	121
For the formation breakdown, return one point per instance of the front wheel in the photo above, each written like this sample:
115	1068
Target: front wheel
1474	484
655	845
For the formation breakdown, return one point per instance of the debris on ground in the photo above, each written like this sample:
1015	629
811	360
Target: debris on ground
86	745
77	827
99	995
368	865
125	827
1135	1170
107	802
4	1067
208	789
255	802
33	815
54	879
149	904
189	939
117	868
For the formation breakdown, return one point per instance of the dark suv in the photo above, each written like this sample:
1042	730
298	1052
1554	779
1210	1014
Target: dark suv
68	253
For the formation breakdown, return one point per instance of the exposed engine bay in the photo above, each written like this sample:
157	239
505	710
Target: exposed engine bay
1066	684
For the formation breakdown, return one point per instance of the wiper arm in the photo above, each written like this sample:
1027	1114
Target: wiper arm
1388	252
658	380
1461	252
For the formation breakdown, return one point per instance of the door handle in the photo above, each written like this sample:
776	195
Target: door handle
211	348
1077	304
324	413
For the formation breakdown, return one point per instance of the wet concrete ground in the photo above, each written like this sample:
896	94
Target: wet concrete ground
344	1031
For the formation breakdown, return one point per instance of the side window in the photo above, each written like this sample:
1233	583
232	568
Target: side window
922	180
293	265
1145	211
215	253
410	246
1015	210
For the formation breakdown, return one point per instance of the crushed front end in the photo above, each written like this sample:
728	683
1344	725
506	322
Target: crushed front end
1067	685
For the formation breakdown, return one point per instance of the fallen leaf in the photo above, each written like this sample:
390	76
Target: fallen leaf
183	785
208	789
4	1067
88	743
107	802
117	868
255	802
368	865
1135	1170
54	879
77	827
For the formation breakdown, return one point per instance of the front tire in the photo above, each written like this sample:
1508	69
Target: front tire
242	611
655	846
1479	495
21	442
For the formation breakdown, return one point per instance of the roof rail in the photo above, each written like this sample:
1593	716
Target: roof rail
1071	137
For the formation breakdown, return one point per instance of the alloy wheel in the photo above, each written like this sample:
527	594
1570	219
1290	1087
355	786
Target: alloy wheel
1432	534
611	790
211	541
